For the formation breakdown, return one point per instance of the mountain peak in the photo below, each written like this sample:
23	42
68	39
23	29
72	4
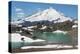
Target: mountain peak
49	14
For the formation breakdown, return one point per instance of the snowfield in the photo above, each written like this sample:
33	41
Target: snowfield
15	37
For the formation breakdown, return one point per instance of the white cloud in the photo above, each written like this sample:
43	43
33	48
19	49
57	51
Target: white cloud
18	9
20	13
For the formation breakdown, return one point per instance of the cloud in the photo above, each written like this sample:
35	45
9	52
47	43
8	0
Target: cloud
20	13
18	9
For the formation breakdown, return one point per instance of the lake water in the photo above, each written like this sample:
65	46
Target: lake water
54	37
49	37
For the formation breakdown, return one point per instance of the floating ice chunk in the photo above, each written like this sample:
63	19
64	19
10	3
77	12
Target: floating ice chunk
59	31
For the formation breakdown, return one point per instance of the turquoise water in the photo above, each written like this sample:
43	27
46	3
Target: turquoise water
19	44
48	36
16	45
54	37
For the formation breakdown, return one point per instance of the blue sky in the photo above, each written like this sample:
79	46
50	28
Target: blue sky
24	9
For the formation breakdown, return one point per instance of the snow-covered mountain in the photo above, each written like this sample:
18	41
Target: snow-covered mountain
49	14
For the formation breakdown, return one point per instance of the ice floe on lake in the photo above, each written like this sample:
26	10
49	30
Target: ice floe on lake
59	31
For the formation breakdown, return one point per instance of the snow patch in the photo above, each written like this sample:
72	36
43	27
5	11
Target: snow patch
44	27
74	26
76	21
25	28
31	27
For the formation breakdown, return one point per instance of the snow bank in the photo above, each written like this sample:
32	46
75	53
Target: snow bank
59	31
15	37
27	39
47	46
38	40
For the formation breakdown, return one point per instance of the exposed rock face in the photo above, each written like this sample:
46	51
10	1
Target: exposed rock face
74	34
